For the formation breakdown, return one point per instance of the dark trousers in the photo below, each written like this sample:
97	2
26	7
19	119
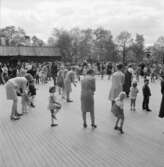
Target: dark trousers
145	104
37	80
54	79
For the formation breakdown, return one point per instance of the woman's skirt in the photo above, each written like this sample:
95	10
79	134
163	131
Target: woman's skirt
87	103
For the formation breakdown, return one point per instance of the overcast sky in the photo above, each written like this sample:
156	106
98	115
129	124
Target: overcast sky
39	17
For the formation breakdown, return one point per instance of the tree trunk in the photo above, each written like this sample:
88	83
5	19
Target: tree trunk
124	54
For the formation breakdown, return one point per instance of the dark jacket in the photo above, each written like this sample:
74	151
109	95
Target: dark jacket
161	111
146	90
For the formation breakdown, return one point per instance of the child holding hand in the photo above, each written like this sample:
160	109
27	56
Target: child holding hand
54	105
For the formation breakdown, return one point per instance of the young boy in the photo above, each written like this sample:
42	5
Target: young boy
146	94
32	93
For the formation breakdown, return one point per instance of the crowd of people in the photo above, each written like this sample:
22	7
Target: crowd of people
20	80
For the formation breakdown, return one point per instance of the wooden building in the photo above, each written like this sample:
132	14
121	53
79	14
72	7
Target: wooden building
28	54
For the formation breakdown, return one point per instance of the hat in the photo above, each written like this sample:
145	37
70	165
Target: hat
90	72
120	66
29	77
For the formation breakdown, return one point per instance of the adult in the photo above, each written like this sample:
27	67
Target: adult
69	79
1	71
15	86
4	75
60	81
12	71
109	70
128	81
54	71
102	69
88	88
32	71
161	112
118	78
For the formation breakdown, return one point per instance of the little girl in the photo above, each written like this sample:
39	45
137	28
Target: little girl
26	101
133	95
54	106
118	111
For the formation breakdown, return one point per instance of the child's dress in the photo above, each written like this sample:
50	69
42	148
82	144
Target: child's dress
117	108
133	93
52	103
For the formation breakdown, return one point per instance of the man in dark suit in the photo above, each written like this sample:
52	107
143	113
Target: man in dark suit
146	95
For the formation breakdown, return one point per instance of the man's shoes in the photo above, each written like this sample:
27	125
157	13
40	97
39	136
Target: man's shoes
32	105
69	101
85	125
18	114
52	125
121	131
148	110
116	128
14	118
94	126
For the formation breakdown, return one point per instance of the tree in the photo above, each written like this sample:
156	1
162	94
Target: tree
86	46
37	42
51	41
76	36
124	40
158	49
14	36
64	44
104	45
138	48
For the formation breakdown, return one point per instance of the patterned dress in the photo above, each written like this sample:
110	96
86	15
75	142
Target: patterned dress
87	94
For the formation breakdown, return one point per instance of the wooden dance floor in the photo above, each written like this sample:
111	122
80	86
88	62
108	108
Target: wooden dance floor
31	142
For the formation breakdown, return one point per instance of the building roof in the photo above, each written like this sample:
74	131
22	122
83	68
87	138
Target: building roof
33	51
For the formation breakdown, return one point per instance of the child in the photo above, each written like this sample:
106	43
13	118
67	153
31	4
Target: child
118	111
54	106
25	102
32	92
146	94
37	76
133	95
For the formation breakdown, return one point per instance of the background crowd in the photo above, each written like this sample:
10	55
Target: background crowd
22	76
